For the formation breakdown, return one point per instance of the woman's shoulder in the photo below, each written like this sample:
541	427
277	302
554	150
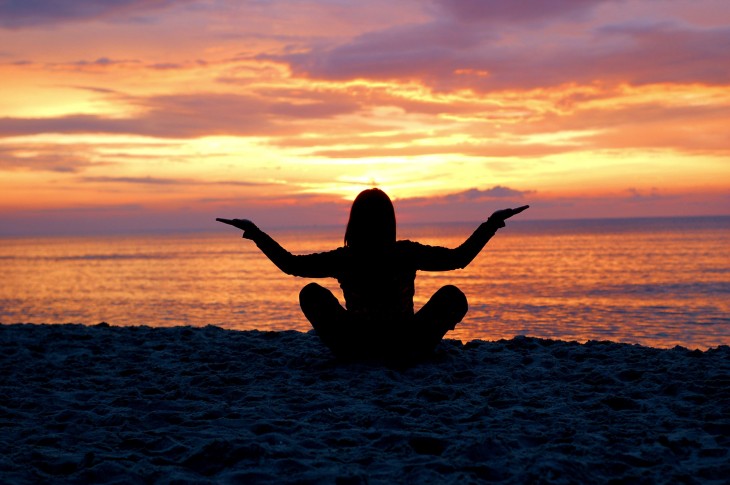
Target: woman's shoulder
406	245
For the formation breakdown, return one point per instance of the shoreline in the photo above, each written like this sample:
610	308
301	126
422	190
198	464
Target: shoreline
460	340
106	403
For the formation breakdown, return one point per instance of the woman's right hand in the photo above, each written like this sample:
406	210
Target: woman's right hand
502	215
249	228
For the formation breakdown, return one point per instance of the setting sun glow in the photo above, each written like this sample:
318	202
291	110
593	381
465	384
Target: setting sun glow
164	114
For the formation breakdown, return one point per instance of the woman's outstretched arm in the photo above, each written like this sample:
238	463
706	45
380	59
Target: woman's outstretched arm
444	259
318	265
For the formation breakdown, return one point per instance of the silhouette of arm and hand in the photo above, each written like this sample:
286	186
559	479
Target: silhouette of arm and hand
444	259
249	228
317	265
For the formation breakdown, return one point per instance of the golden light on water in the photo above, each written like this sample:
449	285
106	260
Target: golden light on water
622	282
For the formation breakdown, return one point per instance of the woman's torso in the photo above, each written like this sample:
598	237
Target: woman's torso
379	284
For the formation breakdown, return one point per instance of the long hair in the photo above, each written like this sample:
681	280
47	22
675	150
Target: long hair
372	220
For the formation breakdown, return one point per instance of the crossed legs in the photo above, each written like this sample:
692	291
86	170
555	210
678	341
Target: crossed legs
418	337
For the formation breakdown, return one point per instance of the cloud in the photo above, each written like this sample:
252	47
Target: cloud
190	116
689	128
16	14
646	196
458	52
477	205
48	158
486	150
661	52
516	12
496	192
468	205
137	180
96	89
168	181
101	61
108	64
411	52
469	196
319	140
465	37
63	124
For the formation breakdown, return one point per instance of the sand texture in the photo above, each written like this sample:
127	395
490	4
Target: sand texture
135	404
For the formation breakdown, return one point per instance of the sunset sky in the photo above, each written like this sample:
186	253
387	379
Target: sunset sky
128	115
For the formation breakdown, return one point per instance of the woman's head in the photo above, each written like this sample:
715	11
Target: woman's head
372	220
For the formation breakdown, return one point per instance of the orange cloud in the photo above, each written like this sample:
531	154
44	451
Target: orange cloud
287	109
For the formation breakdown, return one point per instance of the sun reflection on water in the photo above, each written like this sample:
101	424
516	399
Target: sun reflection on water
657	288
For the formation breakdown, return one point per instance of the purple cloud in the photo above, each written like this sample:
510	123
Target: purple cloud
666	53
496	192
469	196
468	205
403	52
15	14
497	11
452	52
653	194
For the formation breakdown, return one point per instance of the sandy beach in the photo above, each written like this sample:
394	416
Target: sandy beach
109	404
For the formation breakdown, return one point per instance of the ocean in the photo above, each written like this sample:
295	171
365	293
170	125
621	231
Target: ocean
657	282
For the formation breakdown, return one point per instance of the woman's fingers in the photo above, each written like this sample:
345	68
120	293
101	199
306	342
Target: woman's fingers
519	209
504	214
244	224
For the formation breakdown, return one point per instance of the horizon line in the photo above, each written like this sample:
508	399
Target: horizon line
212	229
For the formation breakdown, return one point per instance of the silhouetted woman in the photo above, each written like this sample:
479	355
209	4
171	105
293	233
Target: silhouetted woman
377	273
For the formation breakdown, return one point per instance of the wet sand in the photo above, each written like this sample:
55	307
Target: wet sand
111	404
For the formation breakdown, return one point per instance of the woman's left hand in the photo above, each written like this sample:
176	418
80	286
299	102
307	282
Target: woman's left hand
504	214
248	227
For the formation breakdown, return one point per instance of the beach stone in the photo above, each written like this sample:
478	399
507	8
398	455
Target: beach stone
620	403
428	445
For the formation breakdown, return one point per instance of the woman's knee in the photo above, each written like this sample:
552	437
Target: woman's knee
447	306
311	292
318	303
316	295
452	297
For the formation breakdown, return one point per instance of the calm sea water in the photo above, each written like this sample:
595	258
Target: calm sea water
658	282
